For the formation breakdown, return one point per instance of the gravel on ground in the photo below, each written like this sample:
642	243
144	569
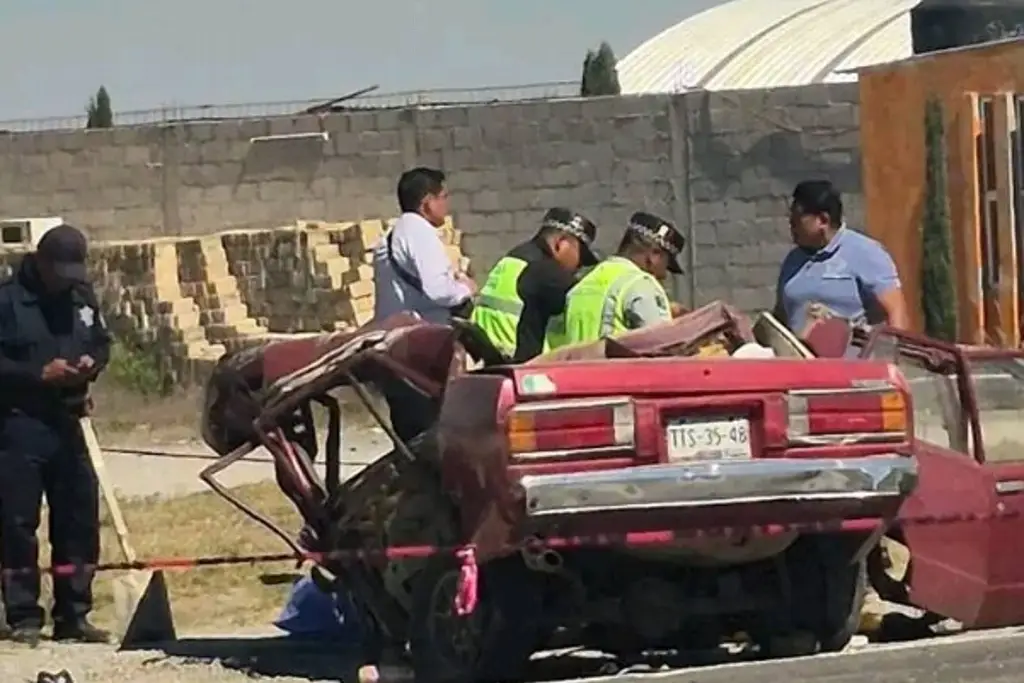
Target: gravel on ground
207	660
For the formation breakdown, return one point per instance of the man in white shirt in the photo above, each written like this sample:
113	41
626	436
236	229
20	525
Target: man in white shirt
412	272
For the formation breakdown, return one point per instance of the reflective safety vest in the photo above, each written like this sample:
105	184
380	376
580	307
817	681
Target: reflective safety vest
497	307
596	305
555	336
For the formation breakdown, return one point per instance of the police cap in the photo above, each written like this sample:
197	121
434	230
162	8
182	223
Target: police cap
65	249
578	226
659	233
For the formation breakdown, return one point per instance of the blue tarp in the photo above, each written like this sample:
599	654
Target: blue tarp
312	613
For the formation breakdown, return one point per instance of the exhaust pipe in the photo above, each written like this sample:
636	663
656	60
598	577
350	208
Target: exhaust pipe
542	560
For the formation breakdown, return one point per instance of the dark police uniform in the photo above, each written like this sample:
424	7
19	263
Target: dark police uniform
619	294
41	446
521	303
542	287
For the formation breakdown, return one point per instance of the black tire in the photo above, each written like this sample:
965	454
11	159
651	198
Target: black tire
503	632
847	590
828	592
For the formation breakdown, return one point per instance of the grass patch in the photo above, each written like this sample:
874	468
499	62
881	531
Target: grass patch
207	599
125	418
136	371
134	395
149	418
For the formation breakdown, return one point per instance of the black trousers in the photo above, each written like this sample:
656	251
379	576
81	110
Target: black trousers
48	457
412	413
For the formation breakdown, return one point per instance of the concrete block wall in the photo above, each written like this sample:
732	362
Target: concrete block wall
719	164
746	153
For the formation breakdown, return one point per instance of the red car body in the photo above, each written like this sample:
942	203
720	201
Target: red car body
583	478
775	478
965	517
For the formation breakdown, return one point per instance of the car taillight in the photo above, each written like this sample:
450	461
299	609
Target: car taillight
821	417
571	428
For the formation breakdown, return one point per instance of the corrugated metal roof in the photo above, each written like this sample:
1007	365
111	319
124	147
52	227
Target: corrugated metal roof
769	43
881	48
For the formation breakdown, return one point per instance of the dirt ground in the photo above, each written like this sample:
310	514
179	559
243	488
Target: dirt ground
218	599
154	420
175	419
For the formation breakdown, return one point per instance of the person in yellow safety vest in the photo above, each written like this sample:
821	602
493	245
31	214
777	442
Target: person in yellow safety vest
525	291
624	292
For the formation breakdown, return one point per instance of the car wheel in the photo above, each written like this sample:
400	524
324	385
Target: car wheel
492	644
828	593
846	590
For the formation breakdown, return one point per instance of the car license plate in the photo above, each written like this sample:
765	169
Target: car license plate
716	438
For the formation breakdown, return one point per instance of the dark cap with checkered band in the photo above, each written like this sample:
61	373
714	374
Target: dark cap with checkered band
576	225
659	233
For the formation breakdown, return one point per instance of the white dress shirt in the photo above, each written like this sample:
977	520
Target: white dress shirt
418	250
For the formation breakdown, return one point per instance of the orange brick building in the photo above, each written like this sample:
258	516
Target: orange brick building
981	89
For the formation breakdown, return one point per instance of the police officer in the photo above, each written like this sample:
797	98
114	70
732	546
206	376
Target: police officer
525	291
53	344
624	292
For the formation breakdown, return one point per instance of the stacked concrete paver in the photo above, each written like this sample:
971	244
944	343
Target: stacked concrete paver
206	279
191	299
313	276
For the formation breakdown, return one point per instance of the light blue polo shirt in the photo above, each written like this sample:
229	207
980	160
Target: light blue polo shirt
847	276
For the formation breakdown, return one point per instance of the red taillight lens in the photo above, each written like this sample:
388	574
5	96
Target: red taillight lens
820	417
571	428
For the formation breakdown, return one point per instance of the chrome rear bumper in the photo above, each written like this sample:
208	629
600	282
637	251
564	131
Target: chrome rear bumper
734	482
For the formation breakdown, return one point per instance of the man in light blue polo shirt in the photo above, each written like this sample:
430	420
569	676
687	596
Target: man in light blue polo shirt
834	270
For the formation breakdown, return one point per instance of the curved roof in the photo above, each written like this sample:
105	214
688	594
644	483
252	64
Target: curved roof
769	43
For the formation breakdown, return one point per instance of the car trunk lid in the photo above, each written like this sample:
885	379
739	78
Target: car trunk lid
667	410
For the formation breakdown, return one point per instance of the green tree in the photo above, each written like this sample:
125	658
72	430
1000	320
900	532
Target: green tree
599	74
938	291
101	115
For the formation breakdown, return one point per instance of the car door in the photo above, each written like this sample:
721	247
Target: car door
944	521
997	387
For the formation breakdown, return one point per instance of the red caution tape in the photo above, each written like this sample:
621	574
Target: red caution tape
637	538
466	595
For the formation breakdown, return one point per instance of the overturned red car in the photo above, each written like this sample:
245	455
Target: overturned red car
655	491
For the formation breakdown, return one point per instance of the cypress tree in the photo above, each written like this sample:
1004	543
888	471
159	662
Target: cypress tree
938	291
599	74
100	113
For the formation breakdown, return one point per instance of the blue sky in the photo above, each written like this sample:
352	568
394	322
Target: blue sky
187	52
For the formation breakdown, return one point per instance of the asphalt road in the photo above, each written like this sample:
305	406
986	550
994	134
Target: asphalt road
992	657
982	657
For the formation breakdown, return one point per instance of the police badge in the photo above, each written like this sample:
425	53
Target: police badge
87	315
